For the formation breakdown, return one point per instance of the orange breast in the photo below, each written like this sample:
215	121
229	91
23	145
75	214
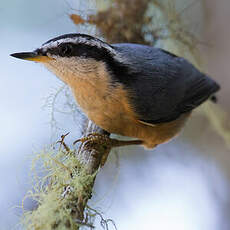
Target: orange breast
106	105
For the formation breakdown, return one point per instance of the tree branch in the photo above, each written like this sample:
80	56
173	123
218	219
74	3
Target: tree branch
91	159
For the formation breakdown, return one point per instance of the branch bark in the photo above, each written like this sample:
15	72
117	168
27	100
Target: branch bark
91	159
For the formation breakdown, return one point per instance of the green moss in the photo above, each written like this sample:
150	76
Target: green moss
57	192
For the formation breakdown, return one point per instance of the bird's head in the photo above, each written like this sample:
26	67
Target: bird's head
73	55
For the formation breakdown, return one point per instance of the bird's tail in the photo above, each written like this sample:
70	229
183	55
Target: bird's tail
202	89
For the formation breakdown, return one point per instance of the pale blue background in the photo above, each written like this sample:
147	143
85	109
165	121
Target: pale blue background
175	187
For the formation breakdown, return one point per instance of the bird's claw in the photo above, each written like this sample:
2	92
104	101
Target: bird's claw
94	138
98	141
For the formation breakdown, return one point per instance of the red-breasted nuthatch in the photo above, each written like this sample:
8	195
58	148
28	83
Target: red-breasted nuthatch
128	89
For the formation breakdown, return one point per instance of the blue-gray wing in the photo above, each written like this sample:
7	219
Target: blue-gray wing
162	86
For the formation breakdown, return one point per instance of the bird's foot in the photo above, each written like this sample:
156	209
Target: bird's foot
101	139
103	143
94	139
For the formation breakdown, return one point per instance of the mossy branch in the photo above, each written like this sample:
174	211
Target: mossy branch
62	195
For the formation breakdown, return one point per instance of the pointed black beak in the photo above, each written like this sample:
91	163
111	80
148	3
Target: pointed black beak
25	55
32	56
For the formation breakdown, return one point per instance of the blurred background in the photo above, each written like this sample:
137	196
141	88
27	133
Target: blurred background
182	185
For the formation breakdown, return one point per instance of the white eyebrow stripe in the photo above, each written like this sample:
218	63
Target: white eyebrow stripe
78	40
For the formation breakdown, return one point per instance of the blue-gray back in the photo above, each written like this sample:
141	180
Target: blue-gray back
162	85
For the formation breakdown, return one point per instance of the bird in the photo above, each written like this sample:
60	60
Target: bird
132	90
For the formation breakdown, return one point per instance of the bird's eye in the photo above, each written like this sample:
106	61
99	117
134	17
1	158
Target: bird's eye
66	50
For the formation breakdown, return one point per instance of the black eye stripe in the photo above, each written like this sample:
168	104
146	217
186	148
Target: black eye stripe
65	50
62	50
79	50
